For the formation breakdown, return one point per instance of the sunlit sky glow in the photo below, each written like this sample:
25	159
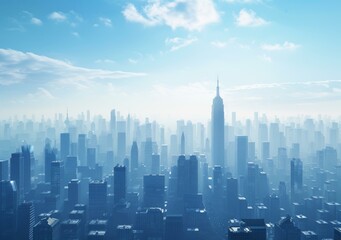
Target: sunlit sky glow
160	59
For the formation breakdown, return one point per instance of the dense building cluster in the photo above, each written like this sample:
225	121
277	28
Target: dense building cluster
93	178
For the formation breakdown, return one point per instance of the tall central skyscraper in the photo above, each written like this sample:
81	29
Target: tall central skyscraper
217	122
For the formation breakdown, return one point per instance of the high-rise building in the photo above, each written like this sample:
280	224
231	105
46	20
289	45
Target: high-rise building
187	175
155	164
70	168
164	155
217	129
27	153
148	152
74	192
150	222
8	209
4	170
337	233
154	191
120	184
121	146
239	233
17	173
71	229
182	144
124	232
64	145
241	155
47	228
296	177
218	185
285	229
97	199
91	157
265	151
232	197
174	228
134	156
26	221
81	148
57	177
50	156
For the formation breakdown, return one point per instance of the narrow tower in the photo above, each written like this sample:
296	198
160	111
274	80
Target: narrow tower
217	129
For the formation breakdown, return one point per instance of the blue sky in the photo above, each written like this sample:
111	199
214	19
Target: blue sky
161	58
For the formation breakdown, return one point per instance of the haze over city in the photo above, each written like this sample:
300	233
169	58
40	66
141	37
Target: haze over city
170	119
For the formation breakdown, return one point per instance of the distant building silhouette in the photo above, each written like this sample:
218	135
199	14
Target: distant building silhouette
64	145
134	156
241	155
218	124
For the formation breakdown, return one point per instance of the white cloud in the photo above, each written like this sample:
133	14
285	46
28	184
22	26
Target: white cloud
243	1
36	21
106	61
58	16
176	43
219	44
190	15
72	18
41	93
248	18
280	47
105	21
26	67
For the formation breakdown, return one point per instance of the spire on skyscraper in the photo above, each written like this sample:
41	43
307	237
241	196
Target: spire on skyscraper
217	85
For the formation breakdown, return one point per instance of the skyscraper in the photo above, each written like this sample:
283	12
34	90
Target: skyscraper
47	228
91	157
121	146
217	122
174	228
182	144
17	173
296	177
70	168
64	145
26	221
8	209
134	156
27	153
154	191
241	155
97	199
50	156
4	170
187	175
74	192
82	149
120	187
57	177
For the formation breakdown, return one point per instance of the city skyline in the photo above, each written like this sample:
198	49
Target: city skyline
271	56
